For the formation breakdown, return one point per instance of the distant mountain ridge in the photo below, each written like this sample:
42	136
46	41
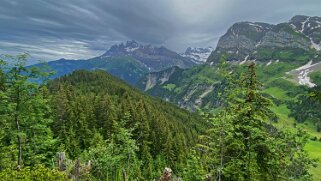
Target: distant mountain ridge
262	42
128	61
153	58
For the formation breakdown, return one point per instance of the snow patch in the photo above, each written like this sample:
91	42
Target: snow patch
241	63
131	49
256	25
269	63
306	66
301	74
304	79
247	56
293	26
258	43
315	46
303	24
198	54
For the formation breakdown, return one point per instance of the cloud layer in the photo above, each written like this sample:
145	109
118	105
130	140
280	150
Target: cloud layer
78	29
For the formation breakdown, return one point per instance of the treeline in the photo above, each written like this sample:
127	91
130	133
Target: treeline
307	107
92	126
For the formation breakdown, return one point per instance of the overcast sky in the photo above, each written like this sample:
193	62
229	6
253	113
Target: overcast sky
78	29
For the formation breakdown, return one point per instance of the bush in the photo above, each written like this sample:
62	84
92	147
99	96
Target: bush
314	138
36	173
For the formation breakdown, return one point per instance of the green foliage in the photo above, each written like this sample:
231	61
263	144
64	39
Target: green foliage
244	145
89	103
25	116
170	87
306	108
294	56
35	173
114	132
117	154
316	77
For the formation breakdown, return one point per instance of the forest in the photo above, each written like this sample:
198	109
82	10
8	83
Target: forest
89	125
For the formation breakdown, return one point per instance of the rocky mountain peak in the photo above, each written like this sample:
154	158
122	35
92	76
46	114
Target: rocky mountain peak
310	27
152	57
123	48
251	40
132	43
198	55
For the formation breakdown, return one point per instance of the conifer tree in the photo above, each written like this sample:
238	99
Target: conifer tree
242	146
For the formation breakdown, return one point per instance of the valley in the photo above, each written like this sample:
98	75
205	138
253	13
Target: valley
153	109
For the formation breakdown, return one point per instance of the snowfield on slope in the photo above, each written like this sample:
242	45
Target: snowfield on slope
301	74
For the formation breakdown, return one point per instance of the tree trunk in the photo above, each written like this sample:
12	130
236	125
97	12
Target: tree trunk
76	170
18	129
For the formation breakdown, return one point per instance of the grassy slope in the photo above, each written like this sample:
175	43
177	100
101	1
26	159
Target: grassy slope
276	83
313	147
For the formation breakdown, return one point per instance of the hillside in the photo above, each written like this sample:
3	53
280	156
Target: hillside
199	88
124	67
108	98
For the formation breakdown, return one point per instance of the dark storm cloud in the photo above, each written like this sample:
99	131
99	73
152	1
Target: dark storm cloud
51	29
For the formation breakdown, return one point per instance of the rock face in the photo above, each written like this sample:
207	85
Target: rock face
284	39
157	78
248	41
309	26
197	55
153	58
240	40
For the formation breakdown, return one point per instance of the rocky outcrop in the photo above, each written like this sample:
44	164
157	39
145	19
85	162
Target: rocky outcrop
284	39
157	78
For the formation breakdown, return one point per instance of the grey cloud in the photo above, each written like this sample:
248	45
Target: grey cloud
76	29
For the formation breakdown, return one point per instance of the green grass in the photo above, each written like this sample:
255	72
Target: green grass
277	92
170	87
278	87
316	77
312	147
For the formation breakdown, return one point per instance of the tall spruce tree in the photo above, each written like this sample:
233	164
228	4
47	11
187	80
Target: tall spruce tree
244	145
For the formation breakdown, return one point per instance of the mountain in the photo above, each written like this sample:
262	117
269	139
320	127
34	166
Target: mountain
285	51
188	88
296	40
288	64
197	55
153	58
129	61
309	26
124	67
